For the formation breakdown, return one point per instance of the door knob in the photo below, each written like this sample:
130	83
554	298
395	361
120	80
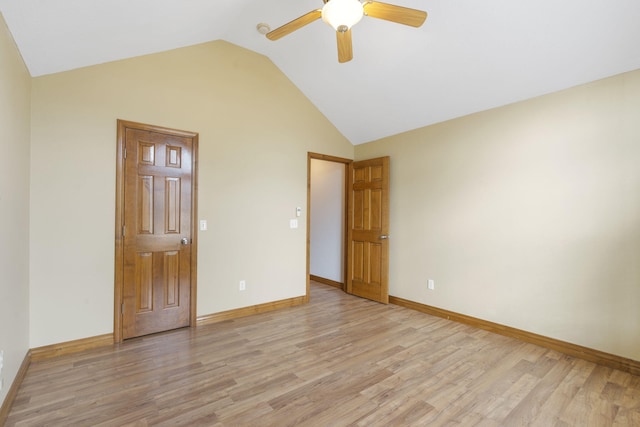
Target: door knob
184	241
384	237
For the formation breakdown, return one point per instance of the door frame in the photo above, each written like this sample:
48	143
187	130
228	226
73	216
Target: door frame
123	125
347	163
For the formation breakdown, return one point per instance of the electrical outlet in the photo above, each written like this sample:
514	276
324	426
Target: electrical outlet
243	285
431	284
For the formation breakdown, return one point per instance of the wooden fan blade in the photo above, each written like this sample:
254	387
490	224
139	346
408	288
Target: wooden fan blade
393	13
345	51
296	24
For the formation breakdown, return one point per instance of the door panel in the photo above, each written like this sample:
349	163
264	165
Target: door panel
144	282
145	205
157	215
172	205
368	257
172	279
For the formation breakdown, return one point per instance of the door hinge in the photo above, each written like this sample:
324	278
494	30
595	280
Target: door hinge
124	229
122	308
124	152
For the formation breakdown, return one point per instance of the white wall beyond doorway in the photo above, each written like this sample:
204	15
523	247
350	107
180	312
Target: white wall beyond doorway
327	226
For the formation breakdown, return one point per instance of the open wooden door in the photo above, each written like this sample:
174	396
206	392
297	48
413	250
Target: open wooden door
368	230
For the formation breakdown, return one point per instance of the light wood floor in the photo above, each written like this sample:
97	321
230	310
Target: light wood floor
337	361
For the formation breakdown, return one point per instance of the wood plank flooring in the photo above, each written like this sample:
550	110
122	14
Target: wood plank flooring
338	361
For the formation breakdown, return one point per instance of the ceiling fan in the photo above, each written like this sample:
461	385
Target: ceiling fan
343	14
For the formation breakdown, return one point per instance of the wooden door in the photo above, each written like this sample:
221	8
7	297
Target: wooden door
368	230
157	229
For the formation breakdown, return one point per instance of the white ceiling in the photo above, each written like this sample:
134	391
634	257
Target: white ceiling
469	55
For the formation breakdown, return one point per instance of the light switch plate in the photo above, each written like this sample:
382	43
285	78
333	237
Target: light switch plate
293	223
203	225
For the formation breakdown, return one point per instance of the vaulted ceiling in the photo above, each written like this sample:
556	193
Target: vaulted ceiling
469	55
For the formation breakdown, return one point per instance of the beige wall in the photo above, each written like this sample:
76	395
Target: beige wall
526	215
255	131
15	86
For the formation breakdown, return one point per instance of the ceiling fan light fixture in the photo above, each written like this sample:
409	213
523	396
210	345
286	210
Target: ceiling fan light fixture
342	14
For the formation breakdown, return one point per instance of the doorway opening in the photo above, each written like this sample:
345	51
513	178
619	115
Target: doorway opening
327	220
365	243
